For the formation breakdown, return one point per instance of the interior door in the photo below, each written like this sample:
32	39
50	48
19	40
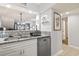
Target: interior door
65	30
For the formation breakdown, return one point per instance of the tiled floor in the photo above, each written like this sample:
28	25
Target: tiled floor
69	51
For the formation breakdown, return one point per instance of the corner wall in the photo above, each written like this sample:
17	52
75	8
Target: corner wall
56	36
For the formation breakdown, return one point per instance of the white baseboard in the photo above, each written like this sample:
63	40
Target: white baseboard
76	47
58	53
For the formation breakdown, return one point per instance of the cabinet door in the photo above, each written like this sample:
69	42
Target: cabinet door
10	52
30	50
7	49
25	48
10	49
14	53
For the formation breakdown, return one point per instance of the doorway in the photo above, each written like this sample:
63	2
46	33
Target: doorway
65	30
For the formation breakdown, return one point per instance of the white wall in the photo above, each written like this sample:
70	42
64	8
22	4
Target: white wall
8	21
73	28
46	27
56	36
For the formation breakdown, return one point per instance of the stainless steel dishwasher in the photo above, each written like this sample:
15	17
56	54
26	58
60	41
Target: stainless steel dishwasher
44	46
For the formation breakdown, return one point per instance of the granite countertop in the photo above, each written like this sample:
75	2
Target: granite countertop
21	39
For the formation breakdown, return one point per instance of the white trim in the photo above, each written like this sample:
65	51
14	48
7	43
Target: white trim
73	46
58	53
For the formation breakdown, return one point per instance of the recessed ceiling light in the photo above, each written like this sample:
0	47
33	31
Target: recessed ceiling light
37	17
30	11
61	14
67	13
8	6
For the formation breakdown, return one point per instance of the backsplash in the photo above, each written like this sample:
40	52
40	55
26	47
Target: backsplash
19	33
45	33
14	33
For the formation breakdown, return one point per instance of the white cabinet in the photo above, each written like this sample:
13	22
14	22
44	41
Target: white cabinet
22	48
30	50
10	48
14	53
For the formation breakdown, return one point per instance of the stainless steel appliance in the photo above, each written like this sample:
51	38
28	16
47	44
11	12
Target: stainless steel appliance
44	46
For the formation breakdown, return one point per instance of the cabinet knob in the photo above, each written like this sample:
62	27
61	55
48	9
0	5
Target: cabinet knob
20	52
23	51
44	40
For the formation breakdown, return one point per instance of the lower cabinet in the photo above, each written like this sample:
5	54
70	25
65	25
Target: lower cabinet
30	50
22	48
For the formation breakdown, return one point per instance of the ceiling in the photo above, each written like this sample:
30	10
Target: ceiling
14	12
37	8
66	7
16	8
60	7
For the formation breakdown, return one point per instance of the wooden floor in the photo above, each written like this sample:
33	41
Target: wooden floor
65	41
69	51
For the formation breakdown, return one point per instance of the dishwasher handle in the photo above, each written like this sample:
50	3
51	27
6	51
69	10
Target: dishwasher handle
44	39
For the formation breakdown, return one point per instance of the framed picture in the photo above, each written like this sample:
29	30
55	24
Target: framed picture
57	21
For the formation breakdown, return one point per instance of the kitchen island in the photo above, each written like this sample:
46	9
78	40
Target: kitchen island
20	47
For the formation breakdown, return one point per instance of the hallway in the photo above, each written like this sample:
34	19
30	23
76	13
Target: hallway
69	51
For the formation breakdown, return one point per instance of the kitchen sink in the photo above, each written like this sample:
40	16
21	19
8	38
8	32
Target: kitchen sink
11	39
8	39
3	39
15	38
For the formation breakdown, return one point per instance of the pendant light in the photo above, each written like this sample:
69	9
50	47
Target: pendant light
20	16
